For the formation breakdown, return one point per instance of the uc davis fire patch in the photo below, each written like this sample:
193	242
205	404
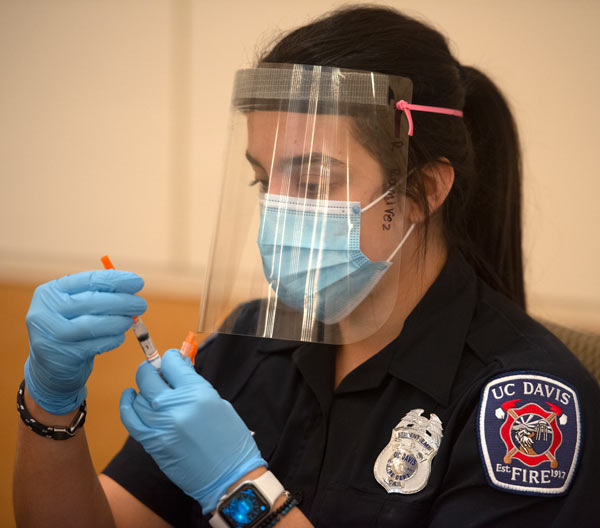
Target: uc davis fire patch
529	430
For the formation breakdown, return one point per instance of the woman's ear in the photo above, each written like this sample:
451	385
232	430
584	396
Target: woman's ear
438	178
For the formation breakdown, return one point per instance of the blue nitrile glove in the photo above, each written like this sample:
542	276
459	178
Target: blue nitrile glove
70	320
196	437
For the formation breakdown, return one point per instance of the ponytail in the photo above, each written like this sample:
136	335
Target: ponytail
492	214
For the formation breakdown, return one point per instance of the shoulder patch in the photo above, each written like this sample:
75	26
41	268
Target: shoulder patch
529	432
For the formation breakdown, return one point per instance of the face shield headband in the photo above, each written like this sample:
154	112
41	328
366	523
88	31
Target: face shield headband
405	107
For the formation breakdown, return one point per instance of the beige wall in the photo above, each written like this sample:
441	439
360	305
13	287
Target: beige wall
113	119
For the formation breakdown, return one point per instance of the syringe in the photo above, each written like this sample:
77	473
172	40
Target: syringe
140	330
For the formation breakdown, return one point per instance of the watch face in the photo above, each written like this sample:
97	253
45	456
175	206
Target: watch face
245	507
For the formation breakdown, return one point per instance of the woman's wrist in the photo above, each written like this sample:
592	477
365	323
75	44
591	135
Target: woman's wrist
45	417
251	475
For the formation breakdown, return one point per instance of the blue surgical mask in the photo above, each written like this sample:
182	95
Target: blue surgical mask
311	255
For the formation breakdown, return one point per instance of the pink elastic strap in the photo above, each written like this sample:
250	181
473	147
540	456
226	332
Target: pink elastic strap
405	107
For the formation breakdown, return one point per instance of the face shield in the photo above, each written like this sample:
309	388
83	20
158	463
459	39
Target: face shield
311	217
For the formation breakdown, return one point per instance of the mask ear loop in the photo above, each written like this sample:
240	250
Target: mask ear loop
405	107
376	201
410	230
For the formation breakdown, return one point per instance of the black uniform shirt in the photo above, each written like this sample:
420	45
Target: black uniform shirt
324	442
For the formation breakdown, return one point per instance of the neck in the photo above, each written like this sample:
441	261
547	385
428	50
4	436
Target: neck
414	276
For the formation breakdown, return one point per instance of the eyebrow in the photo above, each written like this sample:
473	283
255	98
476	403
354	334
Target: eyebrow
254	161
315	157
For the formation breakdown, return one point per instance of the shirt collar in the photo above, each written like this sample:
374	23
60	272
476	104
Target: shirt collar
428	351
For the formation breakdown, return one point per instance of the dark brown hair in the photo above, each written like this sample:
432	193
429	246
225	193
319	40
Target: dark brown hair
482	214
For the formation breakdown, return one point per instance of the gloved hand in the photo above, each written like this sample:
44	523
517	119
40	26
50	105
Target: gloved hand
70	320
197	438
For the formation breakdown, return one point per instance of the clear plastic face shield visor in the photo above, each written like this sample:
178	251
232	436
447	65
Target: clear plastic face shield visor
312	213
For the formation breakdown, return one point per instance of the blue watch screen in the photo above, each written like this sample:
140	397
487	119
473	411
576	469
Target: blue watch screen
245	507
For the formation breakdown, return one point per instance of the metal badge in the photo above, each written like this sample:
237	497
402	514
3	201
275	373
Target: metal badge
404	464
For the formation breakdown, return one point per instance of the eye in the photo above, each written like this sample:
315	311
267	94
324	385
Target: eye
263	184
311	189
310	184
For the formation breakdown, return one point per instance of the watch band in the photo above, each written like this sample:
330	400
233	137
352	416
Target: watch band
268	486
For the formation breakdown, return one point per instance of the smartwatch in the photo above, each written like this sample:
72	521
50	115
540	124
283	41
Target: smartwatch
248	504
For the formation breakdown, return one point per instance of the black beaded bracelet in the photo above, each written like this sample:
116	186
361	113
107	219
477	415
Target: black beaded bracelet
49	431
274	517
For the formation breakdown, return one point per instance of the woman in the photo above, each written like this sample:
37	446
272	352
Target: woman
392	391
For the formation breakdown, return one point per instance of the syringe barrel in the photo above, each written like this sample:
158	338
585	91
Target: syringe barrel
145	341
